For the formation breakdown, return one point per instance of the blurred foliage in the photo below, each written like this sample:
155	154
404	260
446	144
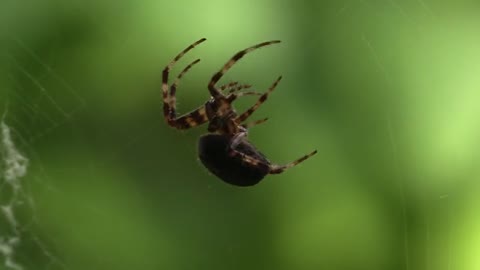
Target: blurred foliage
387	91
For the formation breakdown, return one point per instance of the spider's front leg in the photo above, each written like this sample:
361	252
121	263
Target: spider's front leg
188	120
239	119
214	91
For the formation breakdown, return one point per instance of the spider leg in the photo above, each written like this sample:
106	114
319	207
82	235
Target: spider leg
254	123
167	69
236	140
234	96
188	120
276	169
234	87
273	169
228	86
259	102
217	76
173	87
238	88
248	159
247	93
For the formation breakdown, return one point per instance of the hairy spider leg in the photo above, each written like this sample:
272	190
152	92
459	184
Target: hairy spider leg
188	120
259	102
247	93
227	86
254	123
167	69
234	96
276	169
273	168
235	87
197	116
238	88
173	87
217	76
191	119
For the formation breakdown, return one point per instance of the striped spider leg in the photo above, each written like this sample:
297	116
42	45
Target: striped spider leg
198	116
240	137
225	151
188	120
273	168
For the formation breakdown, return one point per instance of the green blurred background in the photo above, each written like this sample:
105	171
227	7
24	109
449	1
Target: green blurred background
387	91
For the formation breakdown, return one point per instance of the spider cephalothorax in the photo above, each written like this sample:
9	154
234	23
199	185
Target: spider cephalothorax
225	151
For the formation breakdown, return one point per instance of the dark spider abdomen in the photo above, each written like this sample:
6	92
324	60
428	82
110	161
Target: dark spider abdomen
213	151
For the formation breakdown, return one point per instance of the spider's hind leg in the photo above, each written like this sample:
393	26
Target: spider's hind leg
276	169
273	169
254	160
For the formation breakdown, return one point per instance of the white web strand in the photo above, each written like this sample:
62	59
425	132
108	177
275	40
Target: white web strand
391	134
38	113
15	163
15	167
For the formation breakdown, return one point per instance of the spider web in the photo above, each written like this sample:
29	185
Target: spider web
37	101
401	178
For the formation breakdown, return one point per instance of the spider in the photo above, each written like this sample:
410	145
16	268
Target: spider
225	151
